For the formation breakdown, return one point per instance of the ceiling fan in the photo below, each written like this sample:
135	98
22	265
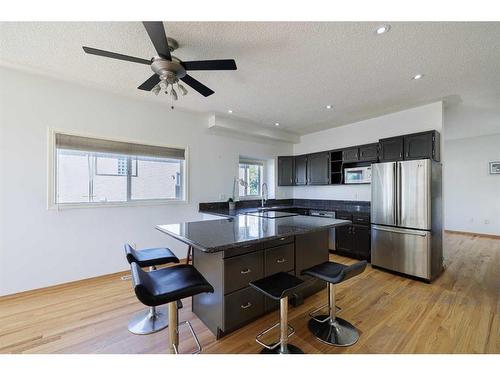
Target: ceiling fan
168	69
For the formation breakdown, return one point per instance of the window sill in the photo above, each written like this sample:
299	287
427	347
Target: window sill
158	202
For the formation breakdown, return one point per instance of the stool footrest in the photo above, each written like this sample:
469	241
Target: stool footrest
312	314
291	331
198	345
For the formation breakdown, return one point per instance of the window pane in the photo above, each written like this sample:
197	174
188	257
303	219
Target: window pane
241	175
109	189
111	165
72	171
254	179
157	179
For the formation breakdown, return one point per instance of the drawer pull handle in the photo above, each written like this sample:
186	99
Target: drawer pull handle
282	260
247	246
246	306
244	272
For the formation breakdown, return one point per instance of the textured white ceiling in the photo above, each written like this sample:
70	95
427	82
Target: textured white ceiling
287	71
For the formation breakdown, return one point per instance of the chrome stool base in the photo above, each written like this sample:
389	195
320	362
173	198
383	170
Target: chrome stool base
290	349
338	332
148	321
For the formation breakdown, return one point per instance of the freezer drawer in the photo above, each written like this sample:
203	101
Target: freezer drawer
402	250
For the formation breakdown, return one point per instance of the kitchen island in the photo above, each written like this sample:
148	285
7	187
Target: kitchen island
231	252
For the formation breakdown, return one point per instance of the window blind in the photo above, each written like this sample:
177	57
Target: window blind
78	143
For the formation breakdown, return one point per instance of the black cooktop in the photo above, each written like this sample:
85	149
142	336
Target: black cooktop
271	214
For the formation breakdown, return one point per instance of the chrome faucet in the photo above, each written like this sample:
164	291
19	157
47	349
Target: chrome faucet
264	200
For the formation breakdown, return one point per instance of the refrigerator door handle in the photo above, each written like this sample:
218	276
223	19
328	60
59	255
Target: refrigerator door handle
401	231
396	193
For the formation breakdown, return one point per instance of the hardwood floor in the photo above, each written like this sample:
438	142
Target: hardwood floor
458	313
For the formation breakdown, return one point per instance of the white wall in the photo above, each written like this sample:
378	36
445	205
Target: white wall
40	247
427	117
472	194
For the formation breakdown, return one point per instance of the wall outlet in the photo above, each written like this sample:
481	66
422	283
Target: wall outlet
486	221
222	197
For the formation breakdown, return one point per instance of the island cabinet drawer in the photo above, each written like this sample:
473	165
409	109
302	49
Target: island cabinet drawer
242	306
243	249
240	270
279	259
279	241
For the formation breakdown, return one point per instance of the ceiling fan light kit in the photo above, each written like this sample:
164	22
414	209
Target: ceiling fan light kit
168	69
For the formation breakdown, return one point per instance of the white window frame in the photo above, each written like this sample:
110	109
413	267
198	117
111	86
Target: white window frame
51	175
243	160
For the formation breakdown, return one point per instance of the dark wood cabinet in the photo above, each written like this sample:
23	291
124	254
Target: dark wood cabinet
361	239
318	168
327	168
354	240
344	238
286	171
422	146
368	152
234	303
391	149
301	170
350	155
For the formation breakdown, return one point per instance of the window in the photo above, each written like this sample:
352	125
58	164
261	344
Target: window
96	171
251	172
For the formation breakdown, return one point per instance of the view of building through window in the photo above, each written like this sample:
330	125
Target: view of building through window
87	177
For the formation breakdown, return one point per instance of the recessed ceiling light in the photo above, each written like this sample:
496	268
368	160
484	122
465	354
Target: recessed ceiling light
418	76
229	111
276	124
382	29
329	106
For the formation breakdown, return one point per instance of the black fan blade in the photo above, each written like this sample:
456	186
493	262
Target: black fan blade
197	85
156	33
210	65
119	56
150	83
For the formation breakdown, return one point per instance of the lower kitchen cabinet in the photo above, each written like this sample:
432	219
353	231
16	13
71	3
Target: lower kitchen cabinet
354	240
234	303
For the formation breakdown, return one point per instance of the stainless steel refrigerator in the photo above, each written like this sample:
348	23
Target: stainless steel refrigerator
406	216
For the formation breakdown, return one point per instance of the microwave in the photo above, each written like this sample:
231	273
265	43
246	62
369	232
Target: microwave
358	175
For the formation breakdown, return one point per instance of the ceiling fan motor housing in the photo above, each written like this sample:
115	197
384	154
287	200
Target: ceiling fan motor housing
168	70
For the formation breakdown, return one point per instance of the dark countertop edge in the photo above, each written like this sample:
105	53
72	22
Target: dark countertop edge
249	242
242	211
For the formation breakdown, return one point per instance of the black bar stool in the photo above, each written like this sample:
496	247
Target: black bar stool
331	329
151	320
279	287
168	286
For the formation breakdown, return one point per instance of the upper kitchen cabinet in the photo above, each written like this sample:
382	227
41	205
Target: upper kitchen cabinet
301	170
318	168
350	155
422	146
391	149
286	168
368	152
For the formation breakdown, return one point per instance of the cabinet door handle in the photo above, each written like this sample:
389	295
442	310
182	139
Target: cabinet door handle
282	260
246	271
246	306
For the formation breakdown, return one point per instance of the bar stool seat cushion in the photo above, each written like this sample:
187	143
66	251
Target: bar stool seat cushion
168	284
150	257
277	286
333	272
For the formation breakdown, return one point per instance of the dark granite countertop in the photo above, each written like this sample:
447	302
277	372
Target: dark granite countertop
243	207
219	235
